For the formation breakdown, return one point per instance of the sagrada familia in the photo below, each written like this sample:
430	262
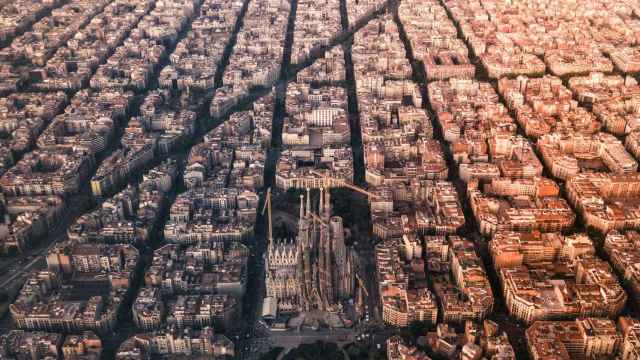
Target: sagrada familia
316	271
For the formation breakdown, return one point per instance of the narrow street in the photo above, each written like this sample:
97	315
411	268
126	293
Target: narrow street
514	330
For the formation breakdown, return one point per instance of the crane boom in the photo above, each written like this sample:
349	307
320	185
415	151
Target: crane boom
317	218
348	185
267	207
360	190
364	288
266	201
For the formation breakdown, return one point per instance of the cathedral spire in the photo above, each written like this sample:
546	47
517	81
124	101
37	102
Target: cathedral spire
301	207
308	202
321	202
327	203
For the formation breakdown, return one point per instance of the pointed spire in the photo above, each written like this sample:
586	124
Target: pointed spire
321	202
301	206
308	202
327	203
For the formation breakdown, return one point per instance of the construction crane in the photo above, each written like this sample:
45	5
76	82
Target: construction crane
361	190
348	185
267	207
364	288
317	218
